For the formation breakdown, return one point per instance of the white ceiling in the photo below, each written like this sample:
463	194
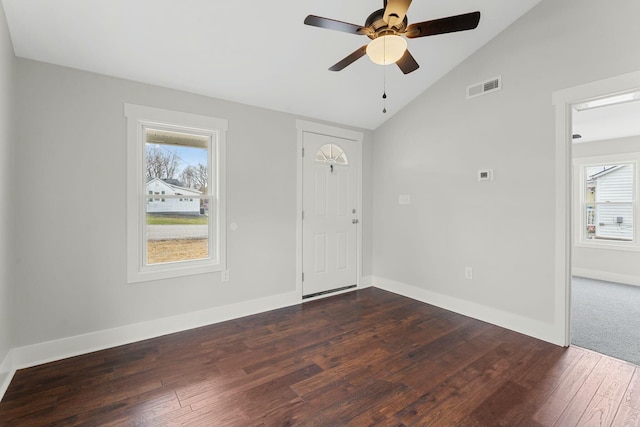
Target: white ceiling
251	51
610	122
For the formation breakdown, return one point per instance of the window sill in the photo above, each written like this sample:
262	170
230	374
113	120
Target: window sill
147	274
614	246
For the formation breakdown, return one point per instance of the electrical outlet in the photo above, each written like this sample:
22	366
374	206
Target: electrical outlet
225	276
468	273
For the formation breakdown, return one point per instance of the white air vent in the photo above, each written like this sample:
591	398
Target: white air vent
485	87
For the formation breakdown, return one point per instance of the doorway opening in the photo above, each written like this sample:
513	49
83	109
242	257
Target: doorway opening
564	101
605	232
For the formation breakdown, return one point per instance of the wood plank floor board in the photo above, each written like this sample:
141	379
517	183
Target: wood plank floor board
627	417
522	411
440	369
576	407
490	373
137	410
617	377
600	412
567	389
368	357
493	409
350	371
556	401
632	395
514	403
550	369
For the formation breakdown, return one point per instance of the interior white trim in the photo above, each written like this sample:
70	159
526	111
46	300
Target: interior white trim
7	371
607	276
524	325
366	282
563	101
307	126
216	129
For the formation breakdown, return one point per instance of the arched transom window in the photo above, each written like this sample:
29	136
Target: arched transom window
331	154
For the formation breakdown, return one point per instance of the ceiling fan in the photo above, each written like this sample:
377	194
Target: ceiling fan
386	28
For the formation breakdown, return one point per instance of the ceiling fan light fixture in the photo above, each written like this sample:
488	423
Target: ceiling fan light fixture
386	49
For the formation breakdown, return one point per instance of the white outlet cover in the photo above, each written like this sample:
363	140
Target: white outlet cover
404	199
468	272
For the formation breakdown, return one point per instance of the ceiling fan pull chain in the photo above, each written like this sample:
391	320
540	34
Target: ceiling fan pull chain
384	92
384	83
384	103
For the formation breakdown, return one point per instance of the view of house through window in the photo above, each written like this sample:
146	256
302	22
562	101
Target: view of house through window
178	198
609	202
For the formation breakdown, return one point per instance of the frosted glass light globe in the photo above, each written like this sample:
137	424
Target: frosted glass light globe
386	49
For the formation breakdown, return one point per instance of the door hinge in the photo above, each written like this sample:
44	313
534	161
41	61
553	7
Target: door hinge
302	151
303	215
303	277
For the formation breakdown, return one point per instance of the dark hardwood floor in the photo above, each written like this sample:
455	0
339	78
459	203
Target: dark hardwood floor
365	358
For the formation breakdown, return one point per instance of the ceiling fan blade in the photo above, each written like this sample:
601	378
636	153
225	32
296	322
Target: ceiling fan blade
407	63
394	11
467	21
332	24
350	59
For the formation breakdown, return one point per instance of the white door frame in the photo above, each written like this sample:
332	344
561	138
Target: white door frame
563	100
303	126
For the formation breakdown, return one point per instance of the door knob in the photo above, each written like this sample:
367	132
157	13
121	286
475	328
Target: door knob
354	221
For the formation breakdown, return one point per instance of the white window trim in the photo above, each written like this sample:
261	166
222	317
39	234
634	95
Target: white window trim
137	117
579	164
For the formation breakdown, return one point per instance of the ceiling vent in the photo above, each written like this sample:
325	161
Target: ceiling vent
485	87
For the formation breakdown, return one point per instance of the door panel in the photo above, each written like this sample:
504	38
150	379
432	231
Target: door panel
320	253
329	200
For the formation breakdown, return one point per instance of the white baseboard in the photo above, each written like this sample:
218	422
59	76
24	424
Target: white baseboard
606	276
7	371
365	282
524	325
37	354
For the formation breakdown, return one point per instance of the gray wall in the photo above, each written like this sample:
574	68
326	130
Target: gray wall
606	264
6	99
71	194
433	149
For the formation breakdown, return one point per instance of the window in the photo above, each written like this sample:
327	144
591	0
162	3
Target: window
608	199
179	157
331	153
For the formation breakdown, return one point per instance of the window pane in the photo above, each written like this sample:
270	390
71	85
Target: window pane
610	183
326	151
590	220
331	153
614	221
177	235
179	159
609	195
177	168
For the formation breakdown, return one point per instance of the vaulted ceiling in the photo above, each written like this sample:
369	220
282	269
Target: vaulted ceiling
251	51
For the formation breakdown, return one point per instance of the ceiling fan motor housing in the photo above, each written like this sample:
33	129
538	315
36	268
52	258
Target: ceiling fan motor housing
375	21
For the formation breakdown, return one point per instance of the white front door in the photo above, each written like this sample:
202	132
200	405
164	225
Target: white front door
330	217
